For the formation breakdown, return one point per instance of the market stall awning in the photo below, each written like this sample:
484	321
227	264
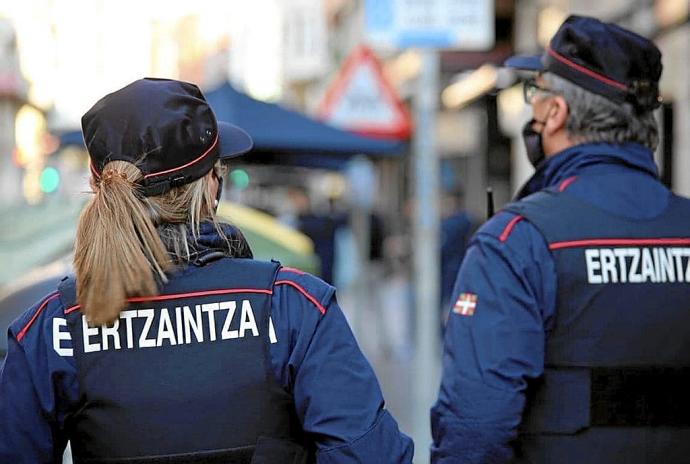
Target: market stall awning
283	136
275	128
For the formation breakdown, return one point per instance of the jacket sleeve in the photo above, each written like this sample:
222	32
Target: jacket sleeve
336	393
36	386
494	342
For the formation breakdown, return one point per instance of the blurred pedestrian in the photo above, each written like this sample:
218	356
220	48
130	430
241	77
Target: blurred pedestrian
170	344
456	229
320	228
569	339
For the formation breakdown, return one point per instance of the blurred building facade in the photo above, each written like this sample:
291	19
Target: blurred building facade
479	131
68	63
13	92
474	154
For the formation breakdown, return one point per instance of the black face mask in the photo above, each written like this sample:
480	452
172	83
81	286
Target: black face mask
532	139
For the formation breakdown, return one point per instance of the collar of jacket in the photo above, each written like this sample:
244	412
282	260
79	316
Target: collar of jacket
209	241
574	160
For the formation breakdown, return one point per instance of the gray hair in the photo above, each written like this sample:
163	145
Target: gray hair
594	119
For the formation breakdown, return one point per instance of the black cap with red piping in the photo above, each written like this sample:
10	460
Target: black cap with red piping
603	58
165	127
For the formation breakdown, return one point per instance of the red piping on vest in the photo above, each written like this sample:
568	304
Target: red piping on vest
306	294
292	269
509	228
172	296
619	242
49	298
566	183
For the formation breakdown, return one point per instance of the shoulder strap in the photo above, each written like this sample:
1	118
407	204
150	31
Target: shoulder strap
68	291
312	288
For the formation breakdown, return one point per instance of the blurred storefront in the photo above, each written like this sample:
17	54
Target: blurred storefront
474	153
672	33
19	123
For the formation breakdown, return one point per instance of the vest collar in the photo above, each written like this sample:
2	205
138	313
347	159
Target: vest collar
575	160
209	243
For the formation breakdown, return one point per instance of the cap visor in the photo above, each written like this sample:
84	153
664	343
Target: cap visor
233	141
527	63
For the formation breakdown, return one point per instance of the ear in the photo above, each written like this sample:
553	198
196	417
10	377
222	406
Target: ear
557	116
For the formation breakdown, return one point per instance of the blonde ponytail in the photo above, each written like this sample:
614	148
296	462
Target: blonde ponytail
118	252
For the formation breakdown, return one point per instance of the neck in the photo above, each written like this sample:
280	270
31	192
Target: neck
557	144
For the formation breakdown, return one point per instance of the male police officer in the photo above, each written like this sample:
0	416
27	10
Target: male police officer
569	340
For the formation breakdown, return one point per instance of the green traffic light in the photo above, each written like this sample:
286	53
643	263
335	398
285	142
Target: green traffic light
239	178
49	180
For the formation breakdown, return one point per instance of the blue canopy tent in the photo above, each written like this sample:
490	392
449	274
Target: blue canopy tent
283	136
71	138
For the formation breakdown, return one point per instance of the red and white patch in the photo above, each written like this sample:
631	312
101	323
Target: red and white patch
466	304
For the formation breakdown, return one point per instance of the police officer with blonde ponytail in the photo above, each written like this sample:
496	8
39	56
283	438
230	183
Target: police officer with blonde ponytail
170	343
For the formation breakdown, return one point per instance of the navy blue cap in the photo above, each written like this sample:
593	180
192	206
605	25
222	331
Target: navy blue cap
165	127
603	58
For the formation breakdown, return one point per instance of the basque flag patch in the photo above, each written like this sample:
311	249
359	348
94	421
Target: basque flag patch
466	304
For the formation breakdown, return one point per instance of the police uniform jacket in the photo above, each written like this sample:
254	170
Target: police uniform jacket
311	356
569	339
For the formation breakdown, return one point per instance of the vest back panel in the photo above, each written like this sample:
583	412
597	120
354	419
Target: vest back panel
618	355
623	285
182	375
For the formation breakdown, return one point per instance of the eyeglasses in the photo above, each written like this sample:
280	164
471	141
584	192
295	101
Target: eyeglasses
530	89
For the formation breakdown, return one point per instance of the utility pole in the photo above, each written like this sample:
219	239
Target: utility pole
426	246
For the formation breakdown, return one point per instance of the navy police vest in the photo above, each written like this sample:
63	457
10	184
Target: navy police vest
184	377
616	383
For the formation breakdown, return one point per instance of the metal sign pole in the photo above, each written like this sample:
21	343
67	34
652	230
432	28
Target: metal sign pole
426	249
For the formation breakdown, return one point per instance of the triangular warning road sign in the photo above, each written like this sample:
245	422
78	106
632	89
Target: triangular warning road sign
362	101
